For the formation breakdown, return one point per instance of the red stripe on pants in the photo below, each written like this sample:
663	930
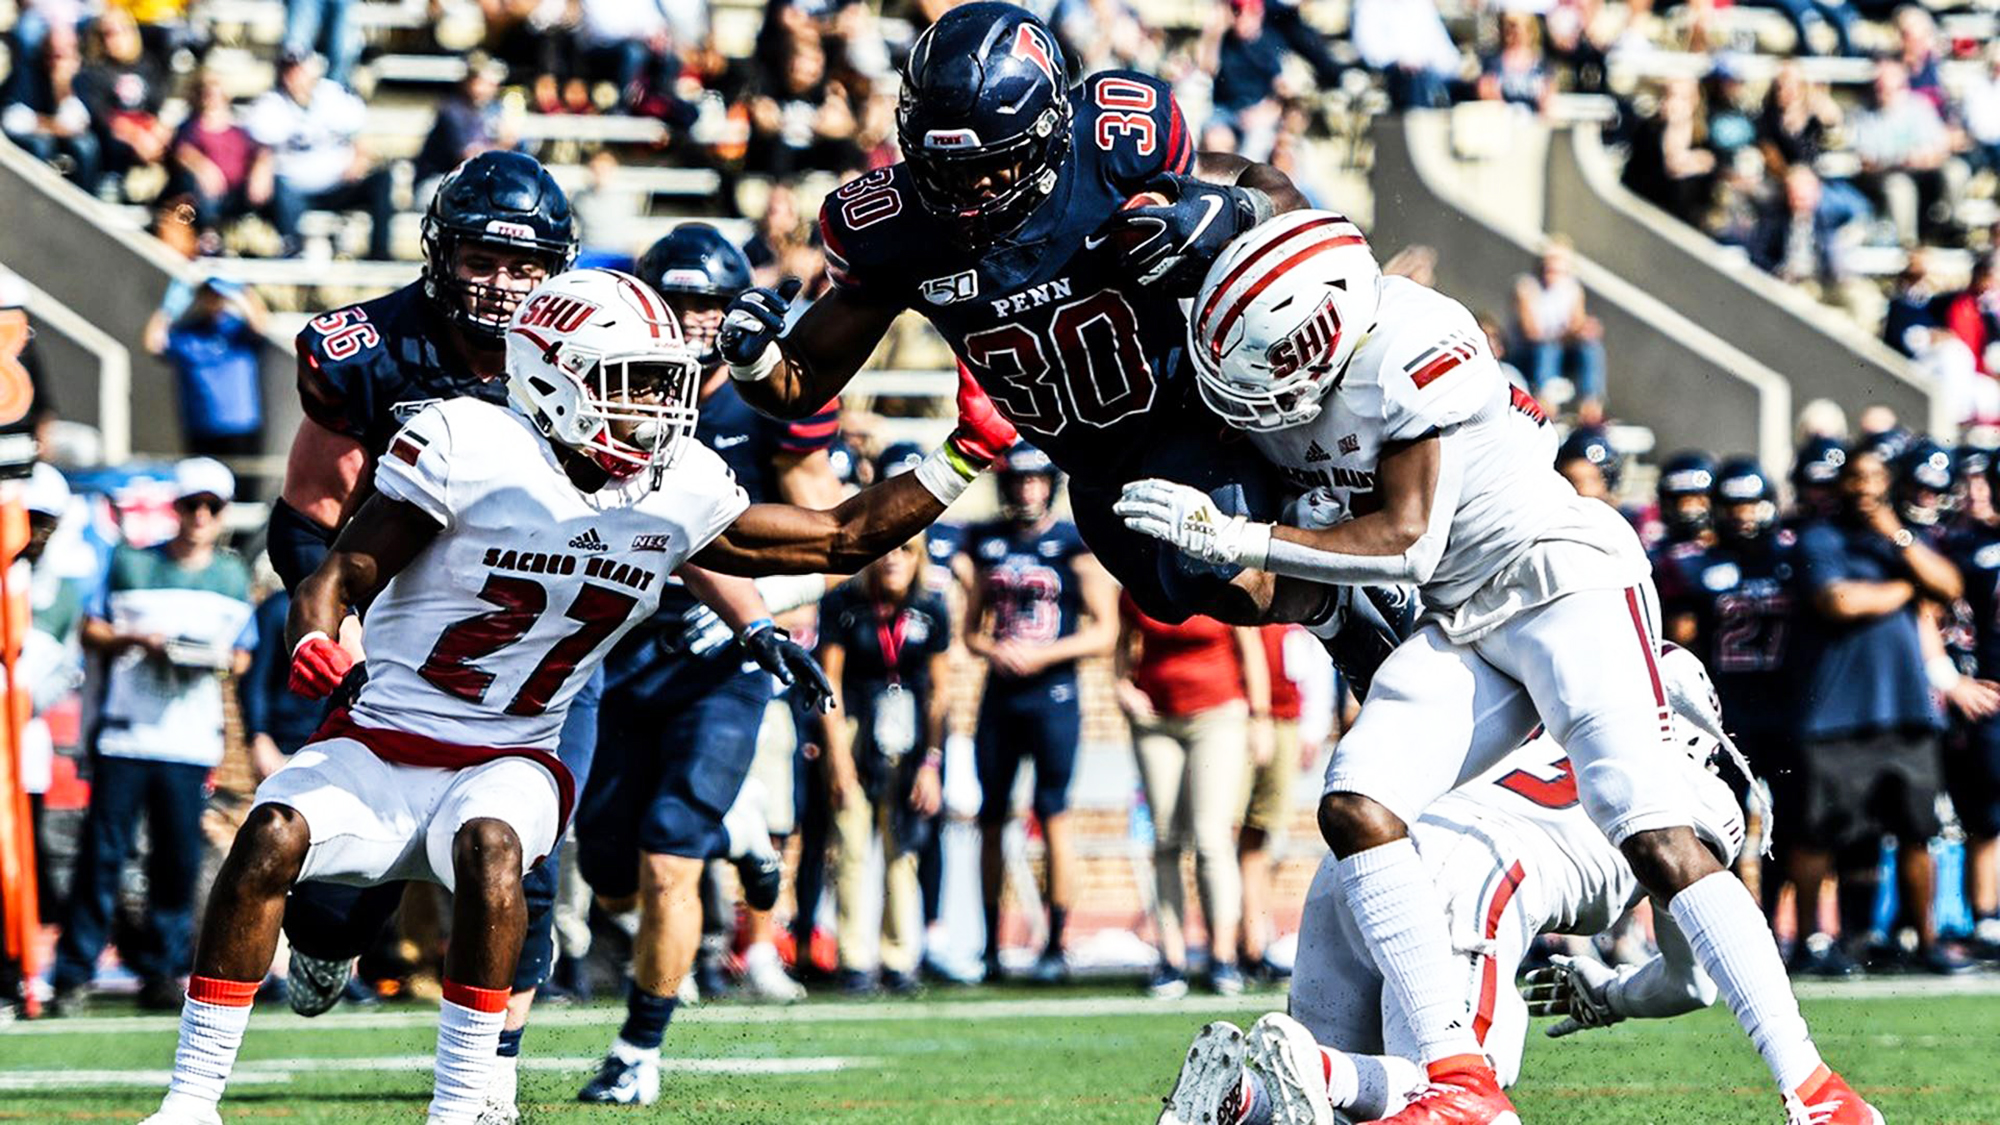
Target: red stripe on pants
1489	972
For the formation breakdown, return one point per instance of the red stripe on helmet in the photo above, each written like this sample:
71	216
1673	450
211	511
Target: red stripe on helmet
1250	262
645	303
1221	330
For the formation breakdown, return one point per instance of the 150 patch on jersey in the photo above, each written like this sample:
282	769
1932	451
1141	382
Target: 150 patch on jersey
945	290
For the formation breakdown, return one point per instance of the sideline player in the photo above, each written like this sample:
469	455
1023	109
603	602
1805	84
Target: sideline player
1512	855
1029	581
1016	226
487	620
1534	595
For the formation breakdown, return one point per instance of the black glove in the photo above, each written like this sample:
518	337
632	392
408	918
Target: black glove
776	652
1172	244
752	322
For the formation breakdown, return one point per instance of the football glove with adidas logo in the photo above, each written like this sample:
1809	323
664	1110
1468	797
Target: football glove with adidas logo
1190	521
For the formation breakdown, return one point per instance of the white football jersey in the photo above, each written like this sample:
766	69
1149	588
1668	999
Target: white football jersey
486	636
1527	810
1425	367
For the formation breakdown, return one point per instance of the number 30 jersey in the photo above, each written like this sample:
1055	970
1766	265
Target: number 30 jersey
1068	344
483	639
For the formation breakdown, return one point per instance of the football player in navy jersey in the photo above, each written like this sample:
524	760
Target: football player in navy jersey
1686	479
1020	227
680	717
1972	767
1030	582
1816	480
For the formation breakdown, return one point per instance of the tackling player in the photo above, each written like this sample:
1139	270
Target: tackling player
1016	226
1513	855
488	617
1539	604
1029	581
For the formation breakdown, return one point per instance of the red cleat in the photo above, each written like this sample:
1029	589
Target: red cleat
1463	1090
1827	1099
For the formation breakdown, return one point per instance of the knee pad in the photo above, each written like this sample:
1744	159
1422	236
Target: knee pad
1626	797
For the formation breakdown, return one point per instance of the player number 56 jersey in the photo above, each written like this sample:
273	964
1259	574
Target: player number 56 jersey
483	639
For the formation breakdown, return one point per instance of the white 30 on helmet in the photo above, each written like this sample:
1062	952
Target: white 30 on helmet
596	360
1278	317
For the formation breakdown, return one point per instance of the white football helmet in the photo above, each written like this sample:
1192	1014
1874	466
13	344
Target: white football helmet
1278	317
596	360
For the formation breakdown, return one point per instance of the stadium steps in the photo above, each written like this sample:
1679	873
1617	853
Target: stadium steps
1690	386
1819	349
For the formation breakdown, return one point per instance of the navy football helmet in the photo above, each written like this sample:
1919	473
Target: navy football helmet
496	199
1925	475
1020	461
984	118
1685	480
899	458
1589	443
699	272
1744	500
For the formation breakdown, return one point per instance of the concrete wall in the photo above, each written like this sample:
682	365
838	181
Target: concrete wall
1821	351
1690	386
49	234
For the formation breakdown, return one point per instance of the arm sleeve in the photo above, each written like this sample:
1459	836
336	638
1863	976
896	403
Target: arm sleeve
1670	984
810	435
1413	567
416	468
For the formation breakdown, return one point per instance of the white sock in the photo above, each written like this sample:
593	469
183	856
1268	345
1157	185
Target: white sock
629	1053
1383	1085
1734	945
504	1084
210	1036
760	955
1343	1081
1399	915
467	1038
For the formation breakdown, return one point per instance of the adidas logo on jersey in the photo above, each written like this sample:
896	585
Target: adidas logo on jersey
589	541
1315	454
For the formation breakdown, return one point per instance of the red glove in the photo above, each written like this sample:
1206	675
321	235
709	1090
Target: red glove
982	434
318	666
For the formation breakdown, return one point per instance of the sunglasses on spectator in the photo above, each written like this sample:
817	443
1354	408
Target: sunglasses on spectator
213	505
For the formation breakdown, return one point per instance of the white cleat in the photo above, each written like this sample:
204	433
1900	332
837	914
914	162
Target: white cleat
1211	1080
1285	1055
765	980
184	1117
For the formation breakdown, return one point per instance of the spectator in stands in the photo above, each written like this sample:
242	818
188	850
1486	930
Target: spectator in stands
1517	73
1670	167
1917	51
1247	62
1796	238
1979	102
1579	43
222	171
1903	145
1100	35
322	26
124	90
1869	738
804	123
1731	124
166	29
212	344
1807	15
1496	341
604	210
779	232
1407	44
1557	333
170	620
44	114
1913	303
468	123
1973	314
621	40
312	122
1797	118
1197	694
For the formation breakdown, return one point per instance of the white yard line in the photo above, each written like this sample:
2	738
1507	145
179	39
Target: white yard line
271	1072
1978	984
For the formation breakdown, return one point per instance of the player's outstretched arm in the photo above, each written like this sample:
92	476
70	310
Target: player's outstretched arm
784	539
794	373
1229	169
377	544
1400	544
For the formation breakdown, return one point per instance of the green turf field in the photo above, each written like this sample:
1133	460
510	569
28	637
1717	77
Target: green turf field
1083	1055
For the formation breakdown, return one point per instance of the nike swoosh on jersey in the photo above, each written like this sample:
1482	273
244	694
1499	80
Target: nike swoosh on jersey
734	440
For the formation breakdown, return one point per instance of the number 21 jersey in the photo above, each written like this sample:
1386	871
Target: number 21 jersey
1070	346
485	637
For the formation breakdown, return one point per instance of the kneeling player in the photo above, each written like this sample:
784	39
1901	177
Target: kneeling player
1512	854
504	553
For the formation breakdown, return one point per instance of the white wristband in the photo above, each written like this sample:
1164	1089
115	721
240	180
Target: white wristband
308	639
1942	672
943	478
784	592
759	369
1253	549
